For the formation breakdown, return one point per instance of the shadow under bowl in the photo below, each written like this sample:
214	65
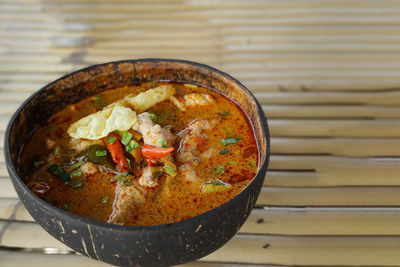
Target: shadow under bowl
159	245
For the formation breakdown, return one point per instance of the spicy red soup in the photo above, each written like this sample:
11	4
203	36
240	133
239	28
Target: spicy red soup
142	155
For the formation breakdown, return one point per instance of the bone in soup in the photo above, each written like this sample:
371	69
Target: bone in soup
149	154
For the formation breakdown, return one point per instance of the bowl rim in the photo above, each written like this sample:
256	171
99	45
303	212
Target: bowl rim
210	213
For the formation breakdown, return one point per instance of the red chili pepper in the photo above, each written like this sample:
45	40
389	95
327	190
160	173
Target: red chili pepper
117	153
153	152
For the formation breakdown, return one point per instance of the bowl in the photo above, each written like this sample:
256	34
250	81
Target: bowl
159	245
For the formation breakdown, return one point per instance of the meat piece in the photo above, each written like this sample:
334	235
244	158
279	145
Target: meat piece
192	148
192	100
127	200
89	168
153	134
147	179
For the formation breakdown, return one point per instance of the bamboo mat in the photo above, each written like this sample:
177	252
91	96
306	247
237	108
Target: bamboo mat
325	72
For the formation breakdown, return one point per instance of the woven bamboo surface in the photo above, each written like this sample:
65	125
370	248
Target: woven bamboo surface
325	72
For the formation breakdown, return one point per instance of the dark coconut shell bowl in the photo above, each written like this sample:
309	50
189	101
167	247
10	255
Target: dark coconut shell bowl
160	245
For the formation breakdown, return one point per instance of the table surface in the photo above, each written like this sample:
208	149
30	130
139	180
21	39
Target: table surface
325	72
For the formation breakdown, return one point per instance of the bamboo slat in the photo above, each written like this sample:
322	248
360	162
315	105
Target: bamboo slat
286	221
264	249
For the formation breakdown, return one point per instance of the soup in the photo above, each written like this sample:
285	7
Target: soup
149	154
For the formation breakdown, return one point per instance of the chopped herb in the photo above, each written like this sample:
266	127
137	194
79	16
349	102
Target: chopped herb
132	145
104	200
76	173
76	165
126	138
124	173
153	117
224	151
219	168
52	128
57	150
227	141
238	137
161	142
123	180
228	130
111	139
196	161
65	206
223	114
59	172
116	132
168	169
101	153
38	163
170	116
232	162
252	164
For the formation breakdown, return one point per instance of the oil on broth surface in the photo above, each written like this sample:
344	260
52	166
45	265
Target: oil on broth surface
223	163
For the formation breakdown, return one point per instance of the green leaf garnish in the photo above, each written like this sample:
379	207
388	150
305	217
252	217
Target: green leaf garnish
59	172
227	141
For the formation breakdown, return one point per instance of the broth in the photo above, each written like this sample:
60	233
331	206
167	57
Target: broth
215	156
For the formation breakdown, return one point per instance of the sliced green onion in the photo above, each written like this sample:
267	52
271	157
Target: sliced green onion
76	173
161	142
170	170
57	150
153	117
59	172
224	151
101	153
76	165
126	138
132	145
219	168
38	163
227	141
104	200
111	139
